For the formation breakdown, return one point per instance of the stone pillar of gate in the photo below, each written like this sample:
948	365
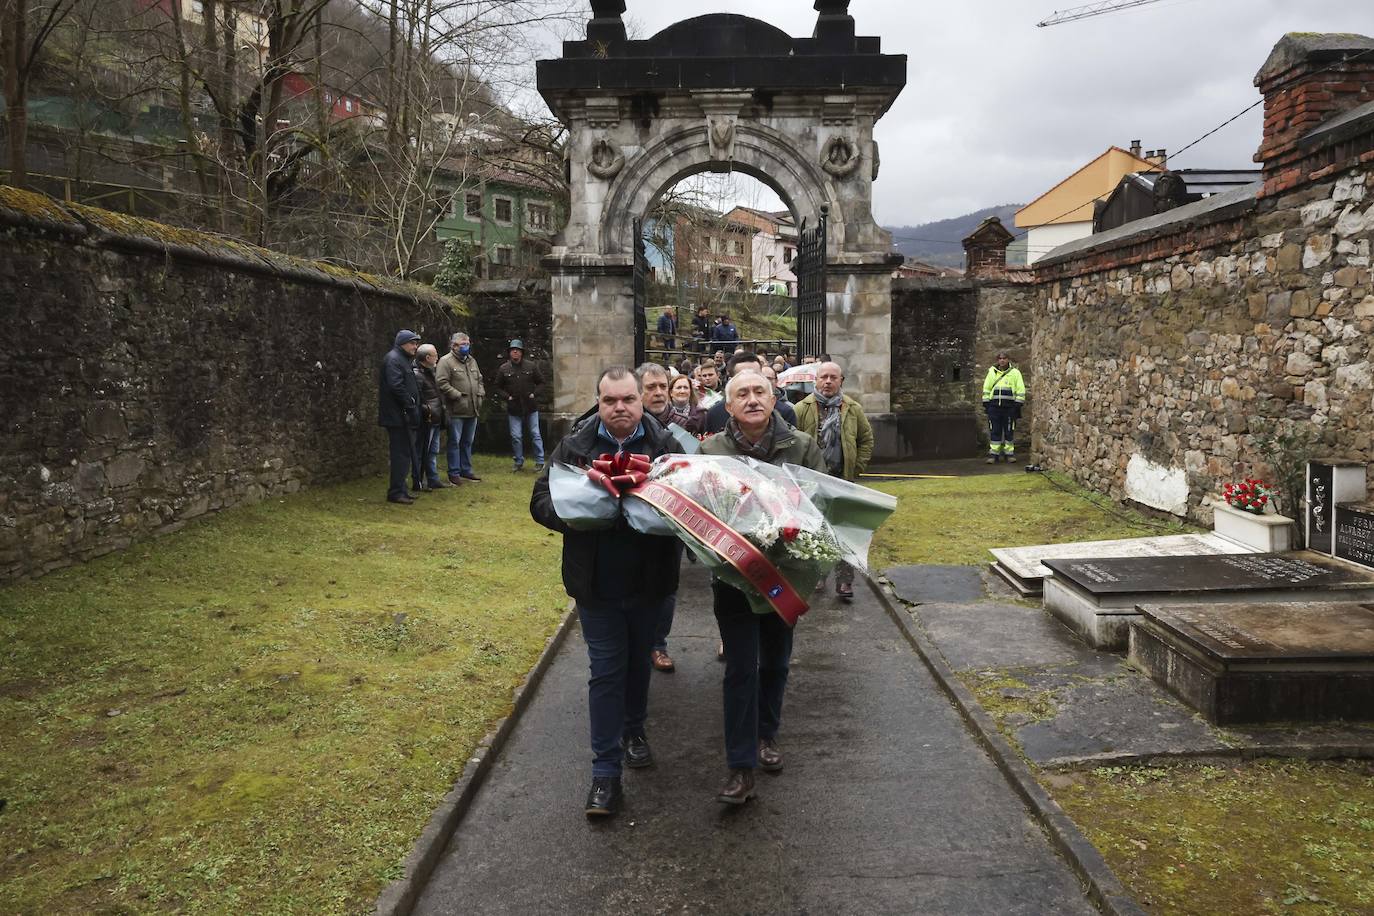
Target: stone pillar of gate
718	93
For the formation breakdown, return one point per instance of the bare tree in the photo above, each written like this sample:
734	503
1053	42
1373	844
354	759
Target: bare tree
25	27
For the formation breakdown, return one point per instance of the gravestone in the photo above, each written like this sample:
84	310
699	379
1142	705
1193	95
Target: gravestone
1330	484
1261	662
1097	598
1353	533
1023	567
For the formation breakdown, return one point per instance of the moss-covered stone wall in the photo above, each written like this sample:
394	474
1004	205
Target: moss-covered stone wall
151	375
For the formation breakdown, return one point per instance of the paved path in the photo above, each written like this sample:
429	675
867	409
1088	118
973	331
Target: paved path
887	804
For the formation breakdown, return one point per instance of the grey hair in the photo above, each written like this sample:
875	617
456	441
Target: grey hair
647	369
460	335
615	374
425	350
731	385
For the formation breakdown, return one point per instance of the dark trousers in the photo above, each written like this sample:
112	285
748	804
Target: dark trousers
618	634
401	445
665	623
1001	429
758	651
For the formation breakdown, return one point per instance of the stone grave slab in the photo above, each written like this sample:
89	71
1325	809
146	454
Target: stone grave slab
1023	567
1097	598
1353	535
1248	662
935	584
1330	483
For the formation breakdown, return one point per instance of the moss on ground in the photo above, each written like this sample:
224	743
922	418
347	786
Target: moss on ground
259	713
1002	695
1260	837
957	521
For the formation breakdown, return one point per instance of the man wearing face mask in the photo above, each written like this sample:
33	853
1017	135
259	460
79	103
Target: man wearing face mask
845	436
460	381
619	579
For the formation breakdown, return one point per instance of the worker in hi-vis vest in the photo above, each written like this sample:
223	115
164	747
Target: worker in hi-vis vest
1004	391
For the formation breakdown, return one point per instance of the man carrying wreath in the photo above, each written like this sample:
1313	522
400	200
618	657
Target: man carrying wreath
620	580
758	647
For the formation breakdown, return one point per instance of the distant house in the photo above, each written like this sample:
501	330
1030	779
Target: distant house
509	216
1064	213
1142	194
774	249
713	251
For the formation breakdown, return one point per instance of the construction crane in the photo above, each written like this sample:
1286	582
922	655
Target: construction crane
1091	9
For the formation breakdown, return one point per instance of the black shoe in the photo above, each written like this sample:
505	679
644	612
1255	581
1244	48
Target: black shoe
468	477
605	797
402	500
637	753
738	789
437	484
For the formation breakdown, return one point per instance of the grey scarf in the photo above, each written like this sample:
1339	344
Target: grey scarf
761	449
829	430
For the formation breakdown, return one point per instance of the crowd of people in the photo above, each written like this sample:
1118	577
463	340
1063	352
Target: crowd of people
421	396
625	583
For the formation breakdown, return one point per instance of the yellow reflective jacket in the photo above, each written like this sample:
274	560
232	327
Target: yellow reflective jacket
1003	388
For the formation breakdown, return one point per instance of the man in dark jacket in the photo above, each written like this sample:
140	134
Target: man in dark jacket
725	332
701	328
620	580
398	411
518	381
757	647
716	415
667	329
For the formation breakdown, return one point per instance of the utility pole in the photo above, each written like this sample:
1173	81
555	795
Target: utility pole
1090	9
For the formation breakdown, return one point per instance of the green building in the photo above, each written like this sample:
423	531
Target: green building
509	218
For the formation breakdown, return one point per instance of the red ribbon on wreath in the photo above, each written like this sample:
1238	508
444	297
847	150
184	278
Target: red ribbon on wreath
619	472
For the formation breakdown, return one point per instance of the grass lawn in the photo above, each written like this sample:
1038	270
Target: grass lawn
1272	836
258	713
956	521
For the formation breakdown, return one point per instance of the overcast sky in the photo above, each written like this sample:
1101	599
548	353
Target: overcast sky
997	111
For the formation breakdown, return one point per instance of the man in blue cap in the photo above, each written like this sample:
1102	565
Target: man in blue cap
398	411
518	381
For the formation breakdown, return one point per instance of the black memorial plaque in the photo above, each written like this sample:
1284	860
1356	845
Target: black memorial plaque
1215	573
1288	631
1354	534
1321	502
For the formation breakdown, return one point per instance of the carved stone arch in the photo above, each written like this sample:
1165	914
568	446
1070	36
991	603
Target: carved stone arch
759	152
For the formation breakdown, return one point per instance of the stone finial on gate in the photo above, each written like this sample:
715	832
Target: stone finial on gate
606	26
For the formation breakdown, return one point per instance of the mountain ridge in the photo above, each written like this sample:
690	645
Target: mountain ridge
940	241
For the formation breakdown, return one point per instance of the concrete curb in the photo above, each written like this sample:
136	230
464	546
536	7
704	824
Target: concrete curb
1104	888
399	897
1356	751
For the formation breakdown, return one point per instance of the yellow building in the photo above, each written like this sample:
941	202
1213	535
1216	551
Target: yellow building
1064	213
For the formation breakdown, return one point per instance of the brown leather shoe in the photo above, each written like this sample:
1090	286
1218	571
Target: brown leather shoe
770	758
845	591
662	661
738	789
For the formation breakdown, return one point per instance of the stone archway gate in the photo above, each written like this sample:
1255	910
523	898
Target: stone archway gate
718	93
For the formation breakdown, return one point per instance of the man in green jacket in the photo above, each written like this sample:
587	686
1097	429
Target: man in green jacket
1004	393
757	647
460	382
837	423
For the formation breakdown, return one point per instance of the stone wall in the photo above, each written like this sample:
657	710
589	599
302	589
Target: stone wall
502	311
152	375
1005	310
1160	358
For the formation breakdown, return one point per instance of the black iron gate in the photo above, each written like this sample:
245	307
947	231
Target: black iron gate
810	270
640	285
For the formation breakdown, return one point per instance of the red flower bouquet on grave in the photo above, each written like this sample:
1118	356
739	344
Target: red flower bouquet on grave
1250	495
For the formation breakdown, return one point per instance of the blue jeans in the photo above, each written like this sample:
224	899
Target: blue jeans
461	433
758	653
426	455
664	626
518	425
617	633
